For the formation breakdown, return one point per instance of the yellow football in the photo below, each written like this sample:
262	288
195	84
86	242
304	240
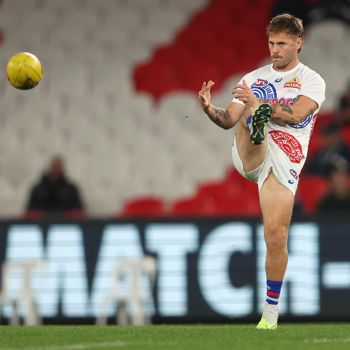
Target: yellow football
24	71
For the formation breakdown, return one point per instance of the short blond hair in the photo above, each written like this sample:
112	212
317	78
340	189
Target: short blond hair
286	23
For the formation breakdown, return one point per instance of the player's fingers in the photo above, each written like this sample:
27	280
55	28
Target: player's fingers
204	101
203	98
241	97
203	87
245	83
210	84
238	86
237	90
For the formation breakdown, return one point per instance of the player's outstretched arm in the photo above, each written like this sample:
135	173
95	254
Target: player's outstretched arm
295	113
225	118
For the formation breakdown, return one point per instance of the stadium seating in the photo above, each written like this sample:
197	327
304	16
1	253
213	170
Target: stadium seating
193	207
232	196
33	214
149	206
345	131
118	105
311	189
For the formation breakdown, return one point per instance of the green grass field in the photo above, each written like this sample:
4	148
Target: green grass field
176	337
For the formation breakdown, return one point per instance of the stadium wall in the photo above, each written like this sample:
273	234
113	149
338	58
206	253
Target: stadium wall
208	270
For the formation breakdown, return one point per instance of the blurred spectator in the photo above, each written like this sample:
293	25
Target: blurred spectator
300	9
331	9
314	10
344	107
298	207
334	153
337	201
54	194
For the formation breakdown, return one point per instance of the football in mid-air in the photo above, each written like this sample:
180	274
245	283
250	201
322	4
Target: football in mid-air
24	71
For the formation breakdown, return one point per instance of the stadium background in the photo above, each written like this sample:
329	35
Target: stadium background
118	101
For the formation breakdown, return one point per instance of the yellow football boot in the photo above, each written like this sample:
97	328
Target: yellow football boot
263	324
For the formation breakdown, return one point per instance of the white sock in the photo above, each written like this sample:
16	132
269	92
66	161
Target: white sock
270	312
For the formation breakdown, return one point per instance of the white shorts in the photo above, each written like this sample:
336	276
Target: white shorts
275	161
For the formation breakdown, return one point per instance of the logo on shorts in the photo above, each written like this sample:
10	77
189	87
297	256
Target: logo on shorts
288	144
293	83
294	174
263	89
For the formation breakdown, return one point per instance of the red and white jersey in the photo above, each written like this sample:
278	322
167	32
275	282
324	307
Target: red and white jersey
283	88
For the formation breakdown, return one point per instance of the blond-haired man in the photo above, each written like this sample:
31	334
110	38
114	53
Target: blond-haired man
273	113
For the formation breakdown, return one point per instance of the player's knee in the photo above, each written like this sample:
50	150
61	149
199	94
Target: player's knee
276	237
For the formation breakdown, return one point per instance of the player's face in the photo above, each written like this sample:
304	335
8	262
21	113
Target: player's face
284	50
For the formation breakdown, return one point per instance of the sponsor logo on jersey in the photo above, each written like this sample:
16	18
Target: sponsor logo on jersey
282	101
263	89
278	80
288	144
260	82
294	83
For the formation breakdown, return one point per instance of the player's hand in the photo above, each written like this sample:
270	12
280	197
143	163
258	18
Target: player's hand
204	94
245	94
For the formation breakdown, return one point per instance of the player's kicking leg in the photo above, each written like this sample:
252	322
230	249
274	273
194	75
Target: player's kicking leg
251	134
276	204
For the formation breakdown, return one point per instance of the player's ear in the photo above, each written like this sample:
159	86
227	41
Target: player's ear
299	43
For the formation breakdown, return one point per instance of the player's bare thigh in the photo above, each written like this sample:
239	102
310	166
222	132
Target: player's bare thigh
251	155
276	203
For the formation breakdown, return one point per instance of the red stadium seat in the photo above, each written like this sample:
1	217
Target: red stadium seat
243	194
149	206
311	189
165	79
33	214
212	190
194	207
233	174
345	132
74	214
226	198
239	207
323	120
316	142
71	214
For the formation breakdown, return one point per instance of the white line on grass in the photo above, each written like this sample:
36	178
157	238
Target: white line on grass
327	340
96	345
